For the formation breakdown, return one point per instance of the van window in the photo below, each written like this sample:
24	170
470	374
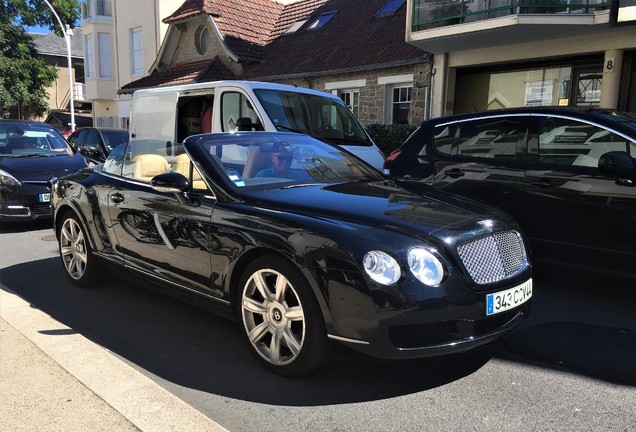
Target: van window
154	118
322	117
235	106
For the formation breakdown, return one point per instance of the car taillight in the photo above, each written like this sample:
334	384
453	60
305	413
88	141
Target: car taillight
389	160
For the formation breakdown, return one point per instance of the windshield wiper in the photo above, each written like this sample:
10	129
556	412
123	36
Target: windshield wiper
32	155
279	126
301	185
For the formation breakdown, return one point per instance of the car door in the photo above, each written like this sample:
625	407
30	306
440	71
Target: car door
574	212
482	159
165	236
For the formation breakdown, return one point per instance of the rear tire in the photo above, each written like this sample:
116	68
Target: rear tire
281	318
76	253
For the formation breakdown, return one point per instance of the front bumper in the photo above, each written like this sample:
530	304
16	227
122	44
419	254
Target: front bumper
23	203
399	323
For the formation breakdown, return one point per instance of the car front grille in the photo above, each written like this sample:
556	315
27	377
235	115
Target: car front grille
494	257
40	210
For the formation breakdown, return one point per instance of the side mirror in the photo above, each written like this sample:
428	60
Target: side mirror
245	124
171	182
619	164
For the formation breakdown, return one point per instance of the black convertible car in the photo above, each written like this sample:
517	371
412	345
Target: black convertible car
301	242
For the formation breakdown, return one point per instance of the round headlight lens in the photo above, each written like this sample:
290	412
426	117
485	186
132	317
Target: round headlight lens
426	267
381	267
7	179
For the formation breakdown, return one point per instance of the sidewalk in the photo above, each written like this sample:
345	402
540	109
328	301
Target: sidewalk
54	379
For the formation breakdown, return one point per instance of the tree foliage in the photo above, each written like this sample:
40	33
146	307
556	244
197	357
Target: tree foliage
24	75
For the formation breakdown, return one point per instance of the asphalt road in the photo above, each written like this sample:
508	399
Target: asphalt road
570	367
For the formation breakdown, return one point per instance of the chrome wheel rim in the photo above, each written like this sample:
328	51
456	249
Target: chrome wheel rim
273	317
73	249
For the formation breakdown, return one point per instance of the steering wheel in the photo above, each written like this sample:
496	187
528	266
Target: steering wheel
325	128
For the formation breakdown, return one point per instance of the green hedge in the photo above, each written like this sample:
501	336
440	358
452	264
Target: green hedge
389	137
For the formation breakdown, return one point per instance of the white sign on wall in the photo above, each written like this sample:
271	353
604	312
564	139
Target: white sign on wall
539	93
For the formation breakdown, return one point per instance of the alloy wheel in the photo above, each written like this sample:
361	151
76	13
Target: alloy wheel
273	317
73	248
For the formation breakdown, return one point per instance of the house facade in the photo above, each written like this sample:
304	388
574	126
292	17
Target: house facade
121	39
52	49
500	53
352	48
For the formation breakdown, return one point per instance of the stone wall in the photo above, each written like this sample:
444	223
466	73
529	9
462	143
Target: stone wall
373	97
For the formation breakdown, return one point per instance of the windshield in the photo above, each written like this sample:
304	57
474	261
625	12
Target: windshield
319	116
31	139
265	160
113	139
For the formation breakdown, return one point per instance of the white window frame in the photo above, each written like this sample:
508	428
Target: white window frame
136	51
392	102
354	106
89	56
105	58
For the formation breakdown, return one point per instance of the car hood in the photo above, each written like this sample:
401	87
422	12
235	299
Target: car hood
43	167
414	209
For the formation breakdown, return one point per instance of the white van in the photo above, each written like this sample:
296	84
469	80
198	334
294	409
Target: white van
165	116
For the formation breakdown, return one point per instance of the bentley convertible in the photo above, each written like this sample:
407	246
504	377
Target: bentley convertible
302	243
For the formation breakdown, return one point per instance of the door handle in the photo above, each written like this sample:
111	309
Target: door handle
454	173
117	198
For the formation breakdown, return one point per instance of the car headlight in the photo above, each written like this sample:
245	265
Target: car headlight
7	179
381	267
426	266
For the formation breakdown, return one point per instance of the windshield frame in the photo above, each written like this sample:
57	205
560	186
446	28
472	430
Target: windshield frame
224	158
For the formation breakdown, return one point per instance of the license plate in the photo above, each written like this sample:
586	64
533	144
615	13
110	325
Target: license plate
508	299
44	197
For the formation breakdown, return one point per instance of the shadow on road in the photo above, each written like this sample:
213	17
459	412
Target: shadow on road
582	323
190	347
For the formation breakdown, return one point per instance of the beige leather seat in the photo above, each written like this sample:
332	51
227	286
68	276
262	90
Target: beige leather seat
181	165
256	161
146	166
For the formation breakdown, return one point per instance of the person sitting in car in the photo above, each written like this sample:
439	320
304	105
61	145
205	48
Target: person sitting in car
281	166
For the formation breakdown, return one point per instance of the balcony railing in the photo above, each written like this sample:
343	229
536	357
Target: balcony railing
96	8
436	13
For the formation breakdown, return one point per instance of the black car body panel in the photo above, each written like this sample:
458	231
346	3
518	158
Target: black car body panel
198	243
31	153
543	169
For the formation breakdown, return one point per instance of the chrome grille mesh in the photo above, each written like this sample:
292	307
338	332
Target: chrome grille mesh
493	257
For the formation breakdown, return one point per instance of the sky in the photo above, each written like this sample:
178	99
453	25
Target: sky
37	29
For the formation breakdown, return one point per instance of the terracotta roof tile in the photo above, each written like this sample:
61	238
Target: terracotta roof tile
352	39
255	31
183	73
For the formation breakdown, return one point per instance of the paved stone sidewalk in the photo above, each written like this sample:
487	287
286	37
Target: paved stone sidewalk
54	379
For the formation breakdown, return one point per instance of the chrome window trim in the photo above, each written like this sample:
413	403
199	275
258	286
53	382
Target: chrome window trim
537	114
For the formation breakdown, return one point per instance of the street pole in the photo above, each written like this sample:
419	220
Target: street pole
67	37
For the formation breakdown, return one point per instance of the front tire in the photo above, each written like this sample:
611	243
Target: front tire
281	318
76	253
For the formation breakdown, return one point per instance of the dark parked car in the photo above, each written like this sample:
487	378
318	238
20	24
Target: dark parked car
300	241
566	175
94	143
30	153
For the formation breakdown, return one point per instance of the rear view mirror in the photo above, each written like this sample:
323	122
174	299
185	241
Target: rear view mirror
245	124
171	182
619	164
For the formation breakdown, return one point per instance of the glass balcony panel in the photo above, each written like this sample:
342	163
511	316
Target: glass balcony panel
435	13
